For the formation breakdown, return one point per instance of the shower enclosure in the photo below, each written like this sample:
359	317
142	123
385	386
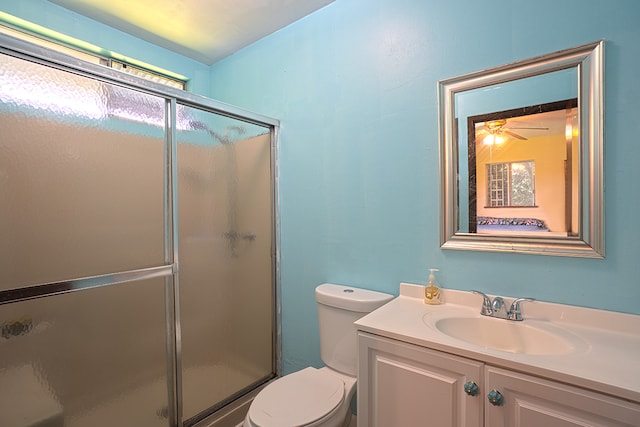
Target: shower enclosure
138	247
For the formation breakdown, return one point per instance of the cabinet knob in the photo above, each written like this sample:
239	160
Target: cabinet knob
495	398
471	388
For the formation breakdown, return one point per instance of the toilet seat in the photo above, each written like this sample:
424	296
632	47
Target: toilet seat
297	399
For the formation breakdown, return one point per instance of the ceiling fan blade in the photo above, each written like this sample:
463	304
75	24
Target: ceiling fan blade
527	128
515	135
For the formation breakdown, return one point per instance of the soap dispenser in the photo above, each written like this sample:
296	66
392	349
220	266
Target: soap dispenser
432	291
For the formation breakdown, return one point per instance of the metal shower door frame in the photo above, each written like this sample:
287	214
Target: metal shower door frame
43	56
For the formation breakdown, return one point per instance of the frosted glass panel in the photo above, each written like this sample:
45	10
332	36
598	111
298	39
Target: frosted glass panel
89	358
83	192
81	176
225	244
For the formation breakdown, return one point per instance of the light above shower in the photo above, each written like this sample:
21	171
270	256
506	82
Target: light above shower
53	40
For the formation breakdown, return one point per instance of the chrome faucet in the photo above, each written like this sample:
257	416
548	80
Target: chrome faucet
497	308
515	313
487	306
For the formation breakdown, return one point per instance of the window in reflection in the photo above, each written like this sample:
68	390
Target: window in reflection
511	184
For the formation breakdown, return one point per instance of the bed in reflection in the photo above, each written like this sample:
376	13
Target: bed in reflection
490	224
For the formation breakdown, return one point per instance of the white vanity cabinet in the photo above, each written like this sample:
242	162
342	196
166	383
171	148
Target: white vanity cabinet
530	401
402	384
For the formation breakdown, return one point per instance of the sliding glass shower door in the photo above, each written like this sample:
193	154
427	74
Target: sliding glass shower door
137	244
225	245
83	273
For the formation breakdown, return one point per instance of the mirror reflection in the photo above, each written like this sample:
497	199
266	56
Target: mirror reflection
521	156
525	164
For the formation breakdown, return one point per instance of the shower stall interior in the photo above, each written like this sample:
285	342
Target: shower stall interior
138	247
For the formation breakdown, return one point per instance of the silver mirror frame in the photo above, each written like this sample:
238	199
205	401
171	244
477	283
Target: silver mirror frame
589	61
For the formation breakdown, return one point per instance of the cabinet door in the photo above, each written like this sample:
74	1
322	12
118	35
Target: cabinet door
534	402
401	384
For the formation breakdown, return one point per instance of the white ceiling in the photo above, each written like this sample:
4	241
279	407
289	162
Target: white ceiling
204	30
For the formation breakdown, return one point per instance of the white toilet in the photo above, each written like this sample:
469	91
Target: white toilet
321	397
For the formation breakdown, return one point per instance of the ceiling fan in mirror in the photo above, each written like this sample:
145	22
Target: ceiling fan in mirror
495	131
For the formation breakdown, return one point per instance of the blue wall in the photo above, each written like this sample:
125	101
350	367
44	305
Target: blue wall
354	85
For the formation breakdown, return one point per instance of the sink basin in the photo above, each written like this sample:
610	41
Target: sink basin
506	335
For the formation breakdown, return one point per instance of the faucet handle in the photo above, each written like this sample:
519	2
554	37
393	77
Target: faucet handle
487	309
515	312
498	304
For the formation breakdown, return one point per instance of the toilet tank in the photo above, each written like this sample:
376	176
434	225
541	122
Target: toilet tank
338	307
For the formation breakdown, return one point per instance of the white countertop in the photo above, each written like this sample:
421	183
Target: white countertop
606	357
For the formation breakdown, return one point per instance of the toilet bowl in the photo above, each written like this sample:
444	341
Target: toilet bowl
310	397
320	397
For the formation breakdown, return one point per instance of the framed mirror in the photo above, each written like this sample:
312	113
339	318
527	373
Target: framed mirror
521	156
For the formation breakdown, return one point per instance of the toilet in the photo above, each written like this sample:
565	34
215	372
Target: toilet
321	397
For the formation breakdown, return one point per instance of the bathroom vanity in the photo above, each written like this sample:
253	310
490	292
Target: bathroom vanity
447	365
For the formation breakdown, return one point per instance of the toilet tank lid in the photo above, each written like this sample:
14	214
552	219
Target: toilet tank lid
351	298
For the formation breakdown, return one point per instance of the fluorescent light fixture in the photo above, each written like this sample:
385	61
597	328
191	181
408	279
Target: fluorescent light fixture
78	96
42	36
147	75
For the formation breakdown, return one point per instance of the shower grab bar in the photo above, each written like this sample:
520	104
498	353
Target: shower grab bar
63	287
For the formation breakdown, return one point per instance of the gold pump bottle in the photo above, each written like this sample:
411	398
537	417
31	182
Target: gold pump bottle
432	291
